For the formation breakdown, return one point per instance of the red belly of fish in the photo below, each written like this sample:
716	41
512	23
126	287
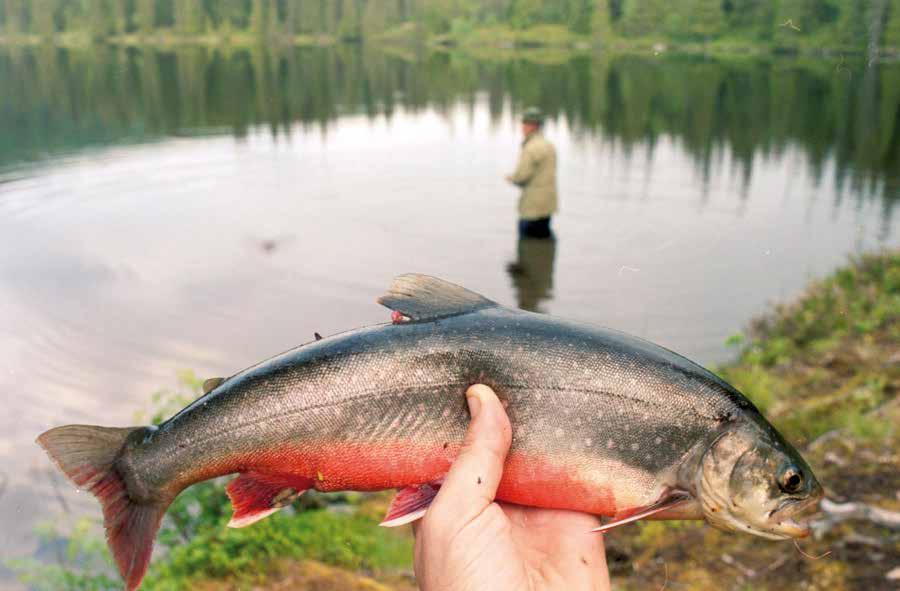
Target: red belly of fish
528	479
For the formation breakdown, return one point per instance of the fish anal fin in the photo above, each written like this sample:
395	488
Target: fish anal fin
667	503
256	495
211	384
422	297
410	504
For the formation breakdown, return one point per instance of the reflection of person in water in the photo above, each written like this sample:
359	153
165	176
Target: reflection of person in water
536	175
532	273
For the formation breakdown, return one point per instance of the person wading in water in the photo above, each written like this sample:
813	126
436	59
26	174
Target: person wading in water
536	175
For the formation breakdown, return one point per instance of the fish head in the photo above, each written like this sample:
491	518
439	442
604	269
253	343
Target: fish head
750	479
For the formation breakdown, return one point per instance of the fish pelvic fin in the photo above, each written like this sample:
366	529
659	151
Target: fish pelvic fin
409	504
88	456
667	503
256	495
422	297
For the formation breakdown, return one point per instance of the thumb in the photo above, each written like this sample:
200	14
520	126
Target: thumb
471	483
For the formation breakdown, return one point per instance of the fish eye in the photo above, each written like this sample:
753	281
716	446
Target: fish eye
791	480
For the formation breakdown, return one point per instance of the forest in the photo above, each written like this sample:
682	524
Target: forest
865	26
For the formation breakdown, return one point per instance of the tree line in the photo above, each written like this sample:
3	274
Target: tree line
845	120
862	24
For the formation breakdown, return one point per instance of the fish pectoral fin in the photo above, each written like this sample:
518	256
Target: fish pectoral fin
422	297
211	384
256	495
410	504
672	499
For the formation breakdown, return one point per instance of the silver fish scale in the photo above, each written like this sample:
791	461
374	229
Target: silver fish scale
591	397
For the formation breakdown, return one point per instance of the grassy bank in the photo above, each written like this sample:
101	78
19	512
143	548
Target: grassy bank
824	368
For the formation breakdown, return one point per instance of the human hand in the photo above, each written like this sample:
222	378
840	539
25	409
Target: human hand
468	542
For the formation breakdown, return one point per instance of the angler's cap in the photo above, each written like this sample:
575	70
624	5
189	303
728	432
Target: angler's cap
533	115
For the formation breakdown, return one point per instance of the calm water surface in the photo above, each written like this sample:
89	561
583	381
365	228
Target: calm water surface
204	210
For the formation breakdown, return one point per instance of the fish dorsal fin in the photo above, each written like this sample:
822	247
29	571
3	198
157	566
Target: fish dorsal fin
211	384
422	297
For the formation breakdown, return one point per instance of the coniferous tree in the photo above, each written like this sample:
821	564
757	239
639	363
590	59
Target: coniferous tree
579	15
891	35
700	18
349	19
751	16
852	24
643	17
259	18
43	17
145	16
15	11
189	16
601	20
375	17
795	19
99	19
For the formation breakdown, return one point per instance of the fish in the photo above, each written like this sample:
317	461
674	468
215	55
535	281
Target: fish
602	422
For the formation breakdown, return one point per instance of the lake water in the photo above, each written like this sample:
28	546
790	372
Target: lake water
205	209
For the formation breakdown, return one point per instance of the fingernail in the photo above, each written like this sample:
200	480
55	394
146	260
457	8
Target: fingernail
474	405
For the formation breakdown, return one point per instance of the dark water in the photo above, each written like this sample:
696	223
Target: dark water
204	209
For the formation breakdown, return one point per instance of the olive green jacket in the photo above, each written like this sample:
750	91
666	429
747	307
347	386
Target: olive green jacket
536	174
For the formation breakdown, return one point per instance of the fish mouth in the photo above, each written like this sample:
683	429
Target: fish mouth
792	517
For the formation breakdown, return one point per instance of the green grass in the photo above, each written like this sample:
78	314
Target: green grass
855	301
817	364
214	551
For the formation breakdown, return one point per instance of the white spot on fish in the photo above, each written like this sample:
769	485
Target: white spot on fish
628	427
559	432
599	415
421	407
446	413
578	422
538	396
635	446
658	440
588	442
610	444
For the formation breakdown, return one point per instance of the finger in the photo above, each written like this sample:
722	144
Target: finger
471	483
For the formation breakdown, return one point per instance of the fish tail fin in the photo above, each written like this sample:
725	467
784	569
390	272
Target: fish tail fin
87	455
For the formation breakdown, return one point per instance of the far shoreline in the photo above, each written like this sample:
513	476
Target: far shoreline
491	42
